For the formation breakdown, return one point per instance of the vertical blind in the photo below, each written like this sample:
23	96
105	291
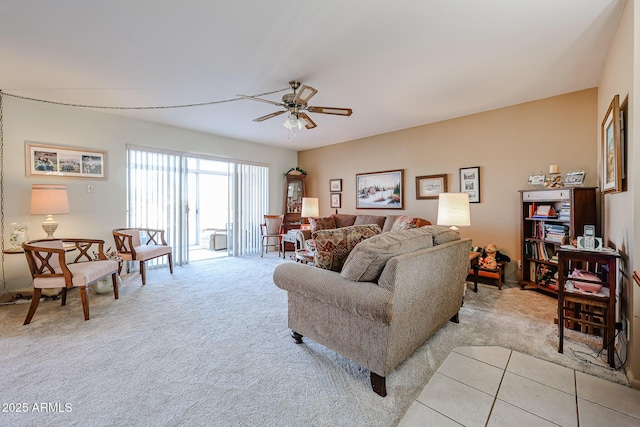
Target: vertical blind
157	198
251	204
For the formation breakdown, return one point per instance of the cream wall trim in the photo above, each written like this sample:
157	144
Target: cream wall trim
508	144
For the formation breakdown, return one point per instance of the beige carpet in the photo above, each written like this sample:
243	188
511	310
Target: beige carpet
209	346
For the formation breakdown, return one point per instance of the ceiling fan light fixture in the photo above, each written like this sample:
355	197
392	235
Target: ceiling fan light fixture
294	122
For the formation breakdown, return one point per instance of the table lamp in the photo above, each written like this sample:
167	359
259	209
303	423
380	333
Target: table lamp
310	207
49	199
453	210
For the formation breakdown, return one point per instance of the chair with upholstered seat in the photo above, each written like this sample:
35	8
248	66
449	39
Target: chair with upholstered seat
49	268
271	229
130	247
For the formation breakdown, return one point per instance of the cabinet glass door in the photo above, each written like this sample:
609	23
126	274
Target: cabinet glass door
294	197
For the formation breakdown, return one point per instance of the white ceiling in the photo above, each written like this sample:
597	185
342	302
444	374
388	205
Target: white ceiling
397	64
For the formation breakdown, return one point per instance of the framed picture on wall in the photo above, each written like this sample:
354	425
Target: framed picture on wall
336	200
470	183
62	161
380	190
335	185
611	149
430	186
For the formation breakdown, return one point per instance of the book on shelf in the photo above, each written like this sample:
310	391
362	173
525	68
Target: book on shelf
556	233
565	211
545	211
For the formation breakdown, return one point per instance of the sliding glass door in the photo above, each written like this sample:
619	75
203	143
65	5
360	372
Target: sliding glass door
209	206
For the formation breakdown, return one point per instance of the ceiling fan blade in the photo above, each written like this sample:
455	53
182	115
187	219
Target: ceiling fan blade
304	94
309	123
268	116
253	98
331	110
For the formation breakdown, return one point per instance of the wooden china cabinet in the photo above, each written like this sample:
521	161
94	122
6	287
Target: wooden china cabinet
293	194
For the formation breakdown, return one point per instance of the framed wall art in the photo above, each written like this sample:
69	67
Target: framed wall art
380	190
336	200
611	149
430	186
67	162
536	181
575	179
470	183
335	185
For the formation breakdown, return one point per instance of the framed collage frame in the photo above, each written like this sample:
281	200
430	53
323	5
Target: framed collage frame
470	183
66	162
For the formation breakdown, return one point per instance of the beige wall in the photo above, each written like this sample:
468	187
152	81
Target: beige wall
508	144
96	214
618	208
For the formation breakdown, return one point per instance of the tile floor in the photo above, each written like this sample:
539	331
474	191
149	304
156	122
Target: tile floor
494	386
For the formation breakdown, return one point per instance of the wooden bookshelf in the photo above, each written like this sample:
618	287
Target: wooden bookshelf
541	236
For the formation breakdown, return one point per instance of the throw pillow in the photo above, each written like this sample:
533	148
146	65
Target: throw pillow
328	223
367	260
370	219
403	223
333	246
442	234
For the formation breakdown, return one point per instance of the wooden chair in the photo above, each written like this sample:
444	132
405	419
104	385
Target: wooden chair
270	229
49	268
130	247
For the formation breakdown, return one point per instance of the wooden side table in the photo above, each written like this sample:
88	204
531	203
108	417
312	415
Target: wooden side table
290	237
589	312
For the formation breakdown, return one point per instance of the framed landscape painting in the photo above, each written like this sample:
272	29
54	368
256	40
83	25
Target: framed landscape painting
612	149
430	186
380	190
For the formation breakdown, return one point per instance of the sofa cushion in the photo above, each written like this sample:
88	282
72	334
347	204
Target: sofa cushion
327	223
403	223
333	246
367	260
344	220
370	219
442	234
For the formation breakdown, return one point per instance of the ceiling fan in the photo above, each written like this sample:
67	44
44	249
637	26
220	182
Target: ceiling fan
295	103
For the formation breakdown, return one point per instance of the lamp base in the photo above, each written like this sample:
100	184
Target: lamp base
49	226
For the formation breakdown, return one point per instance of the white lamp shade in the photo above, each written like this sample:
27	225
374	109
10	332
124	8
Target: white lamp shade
49	199
310	207
294	122
453	209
